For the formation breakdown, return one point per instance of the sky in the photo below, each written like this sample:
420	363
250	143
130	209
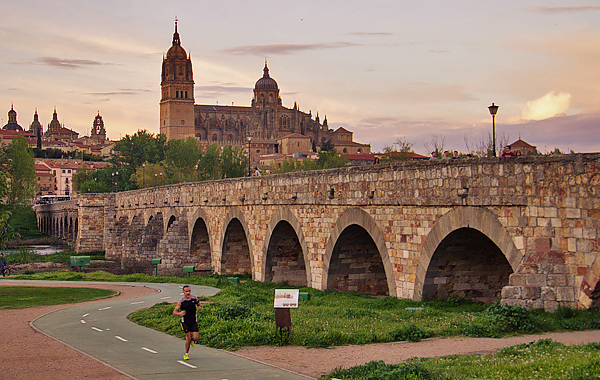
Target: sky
416	71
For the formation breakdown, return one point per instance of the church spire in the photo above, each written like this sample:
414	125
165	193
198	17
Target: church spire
176	41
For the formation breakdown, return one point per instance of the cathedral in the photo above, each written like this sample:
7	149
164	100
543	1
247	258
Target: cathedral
265	122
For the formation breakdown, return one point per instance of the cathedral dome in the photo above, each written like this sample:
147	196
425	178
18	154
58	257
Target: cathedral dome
12	121
266	82
176	51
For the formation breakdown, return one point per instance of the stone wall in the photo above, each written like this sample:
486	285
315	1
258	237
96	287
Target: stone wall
539	212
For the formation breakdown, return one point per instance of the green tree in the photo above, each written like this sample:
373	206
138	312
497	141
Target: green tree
20	165
233	162
400	150
327	146
330	159
181	160
139	148
6	232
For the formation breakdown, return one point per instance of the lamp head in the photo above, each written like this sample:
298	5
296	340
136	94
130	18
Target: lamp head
493	109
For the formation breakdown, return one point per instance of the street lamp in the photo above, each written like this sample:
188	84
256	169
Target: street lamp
144	175
493	109
95	188
249	138
115	178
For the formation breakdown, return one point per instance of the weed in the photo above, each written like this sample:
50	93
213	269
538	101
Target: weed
506	318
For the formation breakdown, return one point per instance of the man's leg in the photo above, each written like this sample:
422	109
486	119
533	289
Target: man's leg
195	336
188	340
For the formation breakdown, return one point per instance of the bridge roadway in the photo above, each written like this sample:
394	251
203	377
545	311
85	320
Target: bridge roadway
102	331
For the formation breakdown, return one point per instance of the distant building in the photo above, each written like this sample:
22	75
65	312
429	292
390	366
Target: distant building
522	147
266	120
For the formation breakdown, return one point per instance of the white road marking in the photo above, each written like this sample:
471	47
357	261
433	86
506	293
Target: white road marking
82	321
186	364
85	315
121	339
149	350
97	329
134	303
105	308
164	298
107	329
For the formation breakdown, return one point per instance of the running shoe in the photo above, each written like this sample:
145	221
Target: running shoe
192	344
186	356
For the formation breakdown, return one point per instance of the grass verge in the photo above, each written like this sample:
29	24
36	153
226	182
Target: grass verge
543	359
243	315
26	256
20	297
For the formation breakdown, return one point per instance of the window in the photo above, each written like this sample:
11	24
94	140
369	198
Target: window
69	171
186	94
63	170
176	94
54	172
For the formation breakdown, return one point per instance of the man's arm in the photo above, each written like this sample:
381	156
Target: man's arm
177	309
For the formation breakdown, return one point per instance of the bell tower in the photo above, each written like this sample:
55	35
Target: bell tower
177	92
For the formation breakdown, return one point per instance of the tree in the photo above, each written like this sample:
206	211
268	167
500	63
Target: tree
6	233
139	148
436	144
233	162
327	146
330	160
20	166
400	150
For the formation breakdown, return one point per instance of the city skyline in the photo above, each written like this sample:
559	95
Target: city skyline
383	70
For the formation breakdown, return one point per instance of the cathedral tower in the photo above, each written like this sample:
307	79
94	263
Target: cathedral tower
177	89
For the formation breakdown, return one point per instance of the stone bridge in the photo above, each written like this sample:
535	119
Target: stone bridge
523	229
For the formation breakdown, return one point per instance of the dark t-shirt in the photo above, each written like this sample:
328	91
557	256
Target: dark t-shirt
190	309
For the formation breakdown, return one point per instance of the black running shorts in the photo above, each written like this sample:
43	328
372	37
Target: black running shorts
189	327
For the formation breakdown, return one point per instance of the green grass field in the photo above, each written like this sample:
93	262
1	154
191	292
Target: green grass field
20	297
543	359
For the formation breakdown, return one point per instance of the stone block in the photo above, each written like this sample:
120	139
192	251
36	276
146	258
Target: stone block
531	292
550	306
512	292
565	294
535	280
557	280
548	294
517	279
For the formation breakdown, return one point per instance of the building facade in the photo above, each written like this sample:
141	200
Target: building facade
266	120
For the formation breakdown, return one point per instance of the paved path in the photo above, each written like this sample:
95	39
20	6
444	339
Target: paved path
102	331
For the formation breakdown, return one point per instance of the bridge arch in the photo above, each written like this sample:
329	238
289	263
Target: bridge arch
362	222
478	223
199	233
284	226
589	295
236	251
169	219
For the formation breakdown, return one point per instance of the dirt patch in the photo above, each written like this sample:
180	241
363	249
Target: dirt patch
28	354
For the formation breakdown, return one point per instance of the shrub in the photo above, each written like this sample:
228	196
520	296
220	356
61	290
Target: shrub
233	311
511	319
410	333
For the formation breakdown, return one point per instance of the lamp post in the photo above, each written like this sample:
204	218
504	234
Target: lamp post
493	110
143	175
249	138
95	187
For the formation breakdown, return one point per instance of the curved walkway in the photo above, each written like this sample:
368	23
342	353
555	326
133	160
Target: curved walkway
102	331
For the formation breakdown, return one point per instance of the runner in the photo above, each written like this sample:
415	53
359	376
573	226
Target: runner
186	309
2	264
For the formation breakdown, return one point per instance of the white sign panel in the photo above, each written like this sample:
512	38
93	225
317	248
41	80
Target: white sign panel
286	298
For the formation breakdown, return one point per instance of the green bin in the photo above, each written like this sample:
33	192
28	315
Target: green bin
305	296
188	269
234	280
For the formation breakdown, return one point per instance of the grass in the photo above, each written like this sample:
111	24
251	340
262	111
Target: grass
20	297
243	315
543	359
26	256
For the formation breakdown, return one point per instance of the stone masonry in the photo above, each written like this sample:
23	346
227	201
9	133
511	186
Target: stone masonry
525	229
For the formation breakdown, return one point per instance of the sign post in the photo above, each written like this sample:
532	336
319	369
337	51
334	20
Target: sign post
285	299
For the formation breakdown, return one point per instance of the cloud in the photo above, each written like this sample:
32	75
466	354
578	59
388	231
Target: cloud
223	89
68	63
423	92
369	34
121	91
547	106
274	49
565	9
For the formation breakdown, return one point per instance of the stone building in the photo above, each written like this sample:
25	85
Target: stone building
12	124
266	120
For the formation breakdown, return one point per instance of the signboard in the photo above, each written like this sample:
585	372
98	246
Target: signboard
286	298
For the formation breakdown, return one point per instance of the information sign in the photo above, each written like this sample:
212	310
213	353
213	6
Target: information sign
286	298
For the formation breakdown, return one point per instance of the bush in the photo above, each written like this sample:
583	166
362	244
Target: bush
233	311
511	319
378	370
410	333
